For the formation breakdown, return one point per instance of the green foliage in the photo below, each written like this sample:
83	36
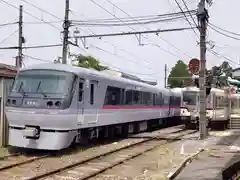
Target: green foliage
179	75
221	74
89	62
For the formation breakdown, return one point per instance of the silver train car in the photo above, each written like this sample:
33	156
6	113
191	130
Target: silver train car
215	107
52	106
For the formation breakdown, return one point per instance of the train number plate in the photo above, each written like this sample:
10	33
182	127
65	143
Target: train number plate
30	132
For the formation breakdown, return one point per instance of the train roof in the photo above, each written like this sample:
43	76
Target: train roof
84	71
176	91
193	88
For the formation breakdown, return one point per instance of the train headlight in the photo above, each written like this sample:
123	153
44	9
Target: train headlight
58	104
209	113
185	112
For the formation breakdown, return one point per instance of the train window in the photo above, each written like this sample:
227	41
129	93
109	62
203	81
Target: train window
113	95
136	97
129	97
166	100
92	94
158	99
80	91
147	98
154	99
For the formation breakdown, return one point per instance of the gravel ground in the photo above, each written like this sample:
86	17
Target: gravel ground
3	152
52	163
159	163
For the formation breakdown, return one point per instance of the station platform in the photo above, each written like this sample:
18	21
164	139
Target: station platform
220	161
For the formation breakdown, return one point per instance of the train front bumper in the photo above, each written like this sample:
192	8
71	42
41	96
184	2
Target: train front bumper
46	140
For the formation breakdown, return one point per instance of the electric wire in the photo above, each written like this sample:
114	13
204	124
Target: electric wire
223	33
139	18
31	47
128	24
131	17
41	9
121	57
186	18
223	29
6	38
59	18
9	4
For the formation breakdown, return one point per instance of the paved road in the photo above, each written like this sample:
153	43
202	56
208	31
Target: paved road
213	163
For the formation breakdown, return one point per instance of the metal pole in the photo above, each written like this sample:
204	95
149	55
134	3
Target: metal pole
165	75
65	33
202	17
20	39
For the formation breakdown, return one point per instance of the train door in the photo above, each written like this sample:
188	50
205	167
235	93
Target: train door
80	102
93	108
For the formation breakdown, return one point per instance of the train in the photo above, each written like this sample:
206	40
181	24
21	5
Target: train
53	106
219	106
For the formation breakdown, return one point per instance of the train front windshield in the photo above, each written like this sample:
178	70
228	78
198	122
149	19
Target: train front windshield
45	82
190	97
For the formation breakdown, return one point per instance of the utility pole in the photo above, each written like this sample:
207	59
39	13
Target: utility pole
202	18
165	75
20	39
66	25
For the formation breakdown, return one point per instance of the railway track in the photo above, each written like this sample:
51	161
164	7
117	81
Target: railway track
21	167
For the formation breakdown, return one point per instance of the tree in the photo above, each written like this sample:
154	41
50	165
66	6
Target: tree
88	62
179	75
221	74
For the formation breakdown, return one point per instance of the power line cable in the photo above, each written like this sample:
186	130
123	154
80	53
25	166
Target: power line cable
121	57
147	28
7	24
1	42
224	29
223	33
41	9
131	54
31	47
189	13
186	18
49	22
139	18
221	56
131	17
129	24
30	14
35	58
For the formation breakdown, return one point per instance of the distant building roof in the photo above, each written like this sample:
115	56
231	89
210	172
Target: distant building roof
237	69
7	70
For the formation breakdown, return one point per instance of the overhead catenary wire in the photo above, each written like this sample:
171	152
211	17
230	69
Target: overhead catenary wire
226	35
148	28
7	24
186	17
121	57
35	58
31	47
6	38
230	32
139	18
13	6
130	26
78	46
31	4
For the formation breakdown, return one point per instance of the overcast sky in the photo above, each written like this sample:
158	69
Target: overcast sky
122	52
